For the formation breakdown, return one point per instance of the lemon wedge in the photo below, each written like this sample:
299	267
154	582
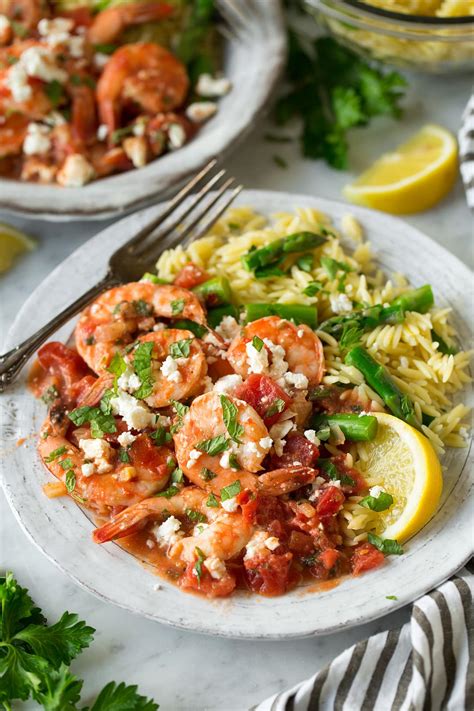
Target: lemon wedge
403	462
12	244
416	176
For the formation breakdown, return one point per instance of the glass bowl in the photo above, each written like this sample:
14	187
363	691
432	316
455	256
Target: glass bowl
428	44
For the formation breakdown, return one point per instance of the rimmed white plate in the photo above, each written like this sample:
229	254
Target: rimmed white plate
254	53
63	533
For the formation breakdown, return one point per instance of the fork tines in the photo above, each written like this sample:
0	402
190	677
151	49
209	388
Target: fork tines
189	215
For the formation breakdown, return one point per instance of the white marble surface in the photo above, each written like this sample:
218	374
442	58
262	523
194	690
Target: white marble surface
218	675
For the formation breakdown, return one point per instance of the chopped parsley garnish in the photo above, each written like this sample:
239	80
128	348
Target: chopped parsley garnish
181	349
55	92
200	558
70	480
177	476
391	597
160	436
50	395
89	341
180	411
207	475
212	502
143	368
66	463
213	446
101	422
305	262
277	406
234	462
195	516
332	266
312	288
229	415
280	162
142	308
308	560
333	472
177	306
228	492
169	492
257	343
117	365
55	454
124	455
382	502
105	48
386	545
121	133
78	80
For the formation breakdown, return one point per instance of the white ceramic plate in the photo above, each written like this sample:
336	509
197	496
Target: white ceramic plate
63	533
254	53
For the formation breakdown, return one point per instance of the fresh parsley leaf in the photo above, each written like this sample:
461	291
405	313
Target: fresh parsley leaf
142	308
56	453
105	48
195	516
213	446
66	463
169	492
391	597
50	395
234	462
120	697
200	558
100	422
386	545
55	92
212	502
312	288
305	262
70	481
160	436
142	366
117	365
207	475
277	406
228	492
181	349
229	415
124	455
382	502
177	306
120	133
61	691
257	343
332	266
333	472
58	643
180	409
177	476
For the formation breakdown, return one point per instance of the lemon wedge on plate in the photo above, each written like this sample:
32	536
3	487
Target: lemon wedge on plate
414	177
403	463
12	244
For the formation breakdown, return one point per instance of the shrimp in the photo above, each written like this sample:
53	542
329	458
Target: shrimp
109	24
303	349
121	484
142	74
12	134
27	12
187	372
204	422
118	315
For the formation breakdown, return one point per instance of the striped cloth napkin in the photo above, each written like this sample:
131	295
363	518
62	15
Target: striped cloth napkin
427	665
466	151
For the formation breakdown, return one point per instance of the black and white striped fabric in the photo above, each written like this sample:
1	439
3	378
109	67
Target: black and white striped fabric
466	151
427	665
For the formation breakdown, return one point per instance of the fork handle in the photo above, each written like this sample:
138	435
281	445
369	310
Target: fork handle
12	362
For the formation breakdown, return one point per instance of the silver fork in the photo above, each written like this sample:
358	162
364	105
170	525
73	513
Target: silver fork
181	224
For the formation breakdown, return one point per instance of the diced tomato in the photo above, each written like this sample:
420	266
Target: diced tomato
269	574
269	508
300	543
248	503
331	563
207	585
329	557
330	502
144	453
297	449
59	360
366	557
83	386
81	16
191	276
261	392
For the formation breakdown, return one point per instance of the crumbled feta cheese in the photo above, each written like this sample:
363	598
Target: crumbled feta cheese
150	543
59	27
300	332
230	505
159	326
100	60
135	413
102	132
228	328
168	532
17	82
316	488
340	303
75	172
279	446
176	136
199	528
337	435
139	127
271	543
256	545
281	428
136	148
311	436
227	383
39	62
375	491
88	469
163	421
279	365
126	439
201	111
5	24
216	567
170	370
194	455
207	85
299	381
37	141
76	46
257	360
129	380
99	451
224	461
54	118
208	384
266	443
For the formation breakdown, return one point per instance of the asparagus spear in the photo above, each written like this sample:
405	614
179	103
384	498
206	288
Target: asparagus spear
299	313
358	428
381	381
215	292
274	253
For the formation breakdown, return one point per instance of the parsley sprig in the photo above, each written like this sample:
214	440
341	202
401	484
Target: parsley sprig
35	658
